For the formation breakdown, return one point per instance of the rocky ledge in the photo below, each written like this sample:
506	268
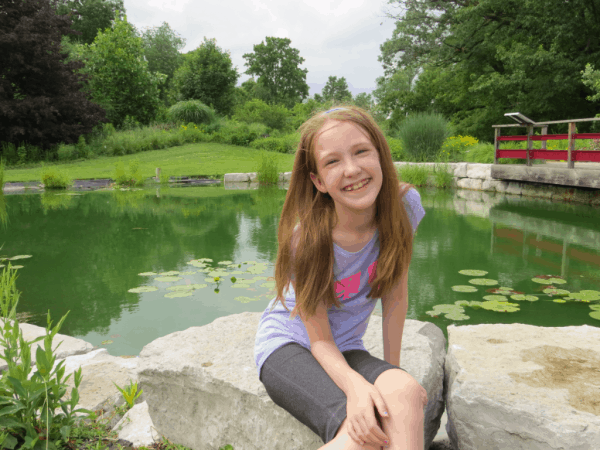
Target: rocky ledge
503	386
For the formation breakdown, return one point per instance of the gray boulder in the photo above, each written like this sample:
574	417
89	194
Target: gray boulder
203	390
516	386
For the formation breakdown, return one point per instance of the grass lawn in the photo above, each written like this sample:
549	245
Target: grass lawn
207	159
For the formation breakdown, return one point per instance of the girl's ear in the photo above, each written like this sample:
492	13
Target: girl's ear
317	182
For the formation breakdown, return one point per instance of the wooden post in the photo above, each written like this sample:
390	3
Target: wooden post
529	142
544	132
496	144
570	163
158	174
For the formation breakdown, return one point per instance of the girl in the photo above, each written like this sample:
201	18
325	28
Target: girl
344	213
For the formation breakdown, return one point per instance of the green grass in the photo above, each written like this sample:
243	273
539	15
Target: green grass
205	159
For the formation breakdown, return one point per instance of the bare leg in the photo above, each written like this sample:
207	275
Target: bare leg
404	427
343	441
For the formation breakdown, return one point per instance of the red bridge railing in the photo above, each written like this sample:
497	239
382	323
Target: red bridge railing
570	155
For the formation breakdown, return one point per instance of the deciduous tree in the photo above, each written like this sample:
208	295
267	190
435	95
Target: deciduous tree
40	94
207	74
120	79
90	16
279	76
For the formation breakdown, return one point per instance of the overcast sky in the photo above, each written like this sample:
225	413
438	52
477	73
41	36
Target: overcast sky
336	38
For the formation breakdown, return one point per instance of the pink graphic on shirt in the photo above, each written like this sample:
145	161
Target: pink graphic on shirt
348	286
372	271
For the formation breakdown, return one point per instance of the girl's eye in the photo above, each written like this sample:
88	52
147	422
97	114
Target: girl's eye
334	160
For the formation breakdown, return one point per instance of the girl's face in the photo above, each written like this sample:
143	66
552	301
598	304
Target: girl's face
346	157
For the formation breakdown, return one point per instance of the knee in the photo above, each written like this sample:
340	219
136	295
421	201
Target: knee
407	393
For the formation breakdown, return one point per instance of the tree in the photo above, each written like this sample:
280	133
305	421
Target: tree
257	111
493	57
280	79
120	79
207	75
161	49
90	16
336	90
40	94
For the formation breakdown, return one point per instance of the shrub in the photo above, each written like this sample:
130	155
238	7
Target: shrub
9	151
65	152
257	111
270	144
29	404
53	178
396	149
267	172
423	134
133	178
191	111
455	147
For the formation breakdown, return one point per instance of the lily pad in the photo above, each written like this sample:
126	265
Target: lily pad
256	269
529	298
106	342
473	273
249	262
175	294
464	288
218	273
554	291
225	263
139	290
238	272
245	299
595	314
14	258
483	281
187	273
240	286
170	273
558	300
499	298
168	279
205	260
268	284
2	265
147	274
457	316
186	287
500	306
17	267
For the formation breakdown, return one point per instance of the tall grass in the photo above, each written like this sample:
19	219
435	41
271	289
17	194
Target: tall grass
2	166
191	111
54	178
267	171
422	135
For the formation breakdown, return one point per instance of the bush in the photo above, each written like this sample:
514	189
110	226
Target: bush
284	144
423	134
267	172
396	149
66	152
455	147
53	178
257	111
191	111
133	178
236	133
9	151
29	404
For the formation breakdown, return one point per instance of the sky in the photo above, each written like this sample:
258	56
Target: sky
336	38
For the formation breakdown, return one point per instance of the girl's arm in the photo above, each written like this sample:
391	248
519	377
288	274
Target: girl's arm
394	306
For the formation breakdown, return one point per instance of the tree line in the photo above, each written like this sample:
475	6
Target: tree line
68	65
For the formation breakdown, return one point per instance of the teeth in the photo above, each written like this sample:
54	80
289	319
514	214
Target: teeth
358	186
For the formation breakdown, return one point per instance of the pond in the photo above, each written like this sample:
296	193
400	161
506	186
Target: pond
136	265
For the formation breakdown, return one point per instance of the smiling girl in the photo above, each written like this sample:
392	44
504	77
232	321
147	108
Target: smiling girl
345	240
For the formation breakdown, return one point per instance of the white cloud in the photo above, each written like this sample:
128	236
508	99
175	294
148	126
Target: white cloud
336	38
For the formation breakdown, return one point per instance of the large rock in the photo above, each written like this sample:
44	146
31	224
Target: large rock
99	371
70	346
203	391
523	387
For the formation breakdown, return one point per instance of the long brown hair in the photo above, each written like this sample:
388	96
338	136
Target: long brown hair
314	211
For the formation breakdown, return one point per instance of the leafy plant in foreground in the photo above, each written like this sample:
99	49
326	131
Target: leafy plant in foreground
130	393
30	404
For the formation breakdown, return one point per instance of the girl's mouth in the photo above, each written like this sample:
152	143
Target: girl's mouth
359	189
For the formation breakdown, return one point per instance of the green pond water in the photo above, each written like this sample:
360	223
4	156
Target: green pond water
136	265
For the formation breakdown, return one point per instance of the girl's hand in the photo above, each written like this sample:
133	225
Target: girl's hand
362	423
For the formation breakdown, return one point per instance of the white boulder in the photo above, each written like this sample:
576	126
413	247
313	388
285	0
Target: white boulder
516	386
203	390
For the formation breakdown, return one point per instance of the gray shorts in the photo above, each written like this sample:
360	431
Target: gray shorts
296	381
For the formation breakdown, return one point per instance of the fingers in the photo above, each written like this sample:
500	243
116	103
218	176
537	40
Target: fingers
362	432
